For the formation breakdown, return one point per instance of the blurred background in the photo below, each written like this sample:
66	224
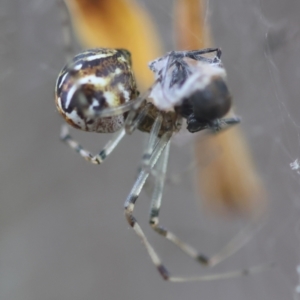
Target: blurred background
62	230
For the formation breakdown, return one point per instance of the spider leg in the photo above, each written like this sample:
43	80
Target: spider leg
217	125
196	55
170	62
233	246
159	175
201	58
152	140
148	150
111	144
95	159
180	73
135	117
161	150
231	121
203	51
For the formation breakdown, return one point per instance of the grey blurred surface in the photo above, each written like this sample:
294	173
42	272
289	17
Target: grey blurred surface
62	230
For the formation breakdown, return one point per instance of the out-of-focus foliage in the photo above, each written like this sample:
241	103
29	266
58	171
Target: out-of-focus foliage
118	24
191	30
228	183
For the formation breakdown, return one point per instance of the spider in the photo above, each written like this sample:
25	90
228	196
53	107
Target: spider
97	92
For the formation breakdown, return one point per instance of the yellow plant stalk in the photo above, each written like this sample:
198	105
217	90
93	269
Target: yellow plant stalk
118	24
190	29
228	182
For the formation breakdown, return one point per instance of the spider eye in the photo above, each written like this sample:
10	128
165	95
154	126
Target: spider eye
95	79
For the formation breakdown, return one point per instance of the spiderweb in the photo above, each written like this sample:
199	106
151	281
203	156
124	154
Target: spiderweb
62	232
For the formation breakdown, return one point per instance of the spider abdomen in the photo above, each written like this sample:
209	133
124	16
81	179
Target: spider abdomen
96	79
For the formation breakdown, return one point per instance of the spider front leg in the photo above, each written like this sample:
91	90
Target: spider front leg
87	155
205	51
193	53
222	124
130	125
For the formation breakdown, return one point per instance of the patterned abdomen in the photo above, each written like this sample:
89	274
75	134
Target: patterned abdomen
95	79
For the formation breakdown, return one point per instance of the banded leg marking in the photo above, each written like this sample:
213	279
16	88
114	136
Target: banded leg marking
236	243
94	159
158	159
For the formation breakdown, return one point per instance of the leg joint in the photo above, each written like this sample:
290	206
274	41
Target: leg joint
165	274
130	218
